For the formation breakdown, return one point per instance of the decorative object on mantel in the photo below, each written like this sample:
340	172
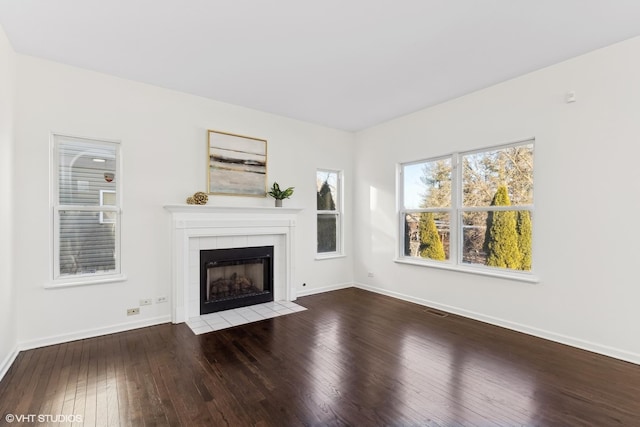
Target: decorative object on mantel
199	198
236	165
279	194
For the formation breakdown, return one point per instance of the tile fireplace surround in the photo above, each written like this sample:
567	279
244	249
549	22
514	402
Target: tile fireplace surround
206	227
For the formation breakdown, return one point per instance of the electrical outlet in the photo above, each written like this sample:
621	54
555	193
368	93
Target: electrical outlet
370	274
161	299
132	311
146	301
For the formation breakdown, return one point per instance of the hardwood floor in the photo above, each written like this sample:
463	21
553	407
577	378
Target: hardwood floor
353	358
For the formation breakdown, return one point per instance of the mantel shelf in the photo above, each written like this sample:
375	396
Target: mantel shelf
210	209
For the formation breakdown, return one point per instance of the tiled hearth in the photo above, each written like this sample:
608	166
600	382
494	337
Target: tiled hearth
240	316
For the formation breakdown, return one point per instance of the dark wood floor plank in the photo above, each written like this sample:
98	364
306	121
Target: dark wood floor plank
27	402
113	409
80	401
354	358
102	392
91	392
70	389
132	384
120	369
54	383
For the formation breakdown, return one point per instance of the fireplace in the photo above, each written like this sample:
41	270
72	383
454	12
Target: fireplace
235	277
204	227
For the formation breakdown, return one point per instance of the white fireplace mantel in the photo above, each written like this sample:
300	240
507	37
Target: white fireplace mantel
202	227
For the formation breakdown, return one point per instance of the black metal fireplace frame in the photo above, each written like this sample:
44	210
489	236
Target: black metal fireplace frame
224	256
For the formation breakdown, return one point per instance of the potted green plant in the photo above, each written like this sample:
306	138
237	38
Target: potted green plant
279	194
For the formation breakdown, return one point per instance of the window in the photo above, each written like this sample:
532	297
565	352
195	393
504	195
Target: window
471	210
86	209
329	212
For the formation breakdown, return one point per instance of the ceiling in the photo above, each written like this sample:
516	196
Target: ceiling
346	64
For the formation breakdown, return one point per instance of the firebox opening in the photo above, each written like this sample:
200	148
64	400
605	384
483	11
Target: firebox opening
236	277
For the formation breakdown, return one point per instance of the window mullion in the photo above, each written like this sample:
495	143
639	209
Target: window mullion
56	242
454	213
496	208
85	208
425	210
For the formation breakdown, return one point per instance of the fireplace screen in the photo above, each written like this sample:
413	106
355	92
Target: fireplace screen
232	278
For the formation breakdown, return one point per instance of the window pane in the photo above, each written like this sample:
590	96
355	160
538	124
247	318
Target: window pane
474	228
497	239
485	172
85	168
107	198
427	185
427	235
327	188
327	233
86	244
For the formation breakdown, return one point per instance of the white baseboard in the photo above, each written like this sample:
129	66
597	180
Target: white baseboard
306	292
91	333
8	361
548	335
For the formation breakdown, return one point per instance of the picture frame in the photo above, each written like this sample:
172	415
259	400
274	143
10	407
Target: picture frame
236	164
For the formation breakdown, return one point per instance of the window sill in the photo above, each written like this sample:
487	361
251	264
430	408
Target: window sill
84	281
522	277
320	257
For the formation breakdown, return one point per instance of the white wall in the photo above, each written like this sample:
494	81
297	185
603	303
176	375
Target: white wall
8	310
164	137
587	198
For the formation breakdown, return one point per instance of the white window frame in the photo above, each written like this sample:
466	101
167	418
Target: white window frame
339	252
61	281
455	218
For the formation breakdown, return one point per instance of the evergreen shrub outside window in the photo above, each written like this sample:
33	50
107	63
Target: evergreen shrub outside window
329	215
472	208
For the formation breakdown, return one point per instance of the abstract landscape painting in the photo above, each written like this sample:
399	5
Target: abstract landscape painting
237	165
